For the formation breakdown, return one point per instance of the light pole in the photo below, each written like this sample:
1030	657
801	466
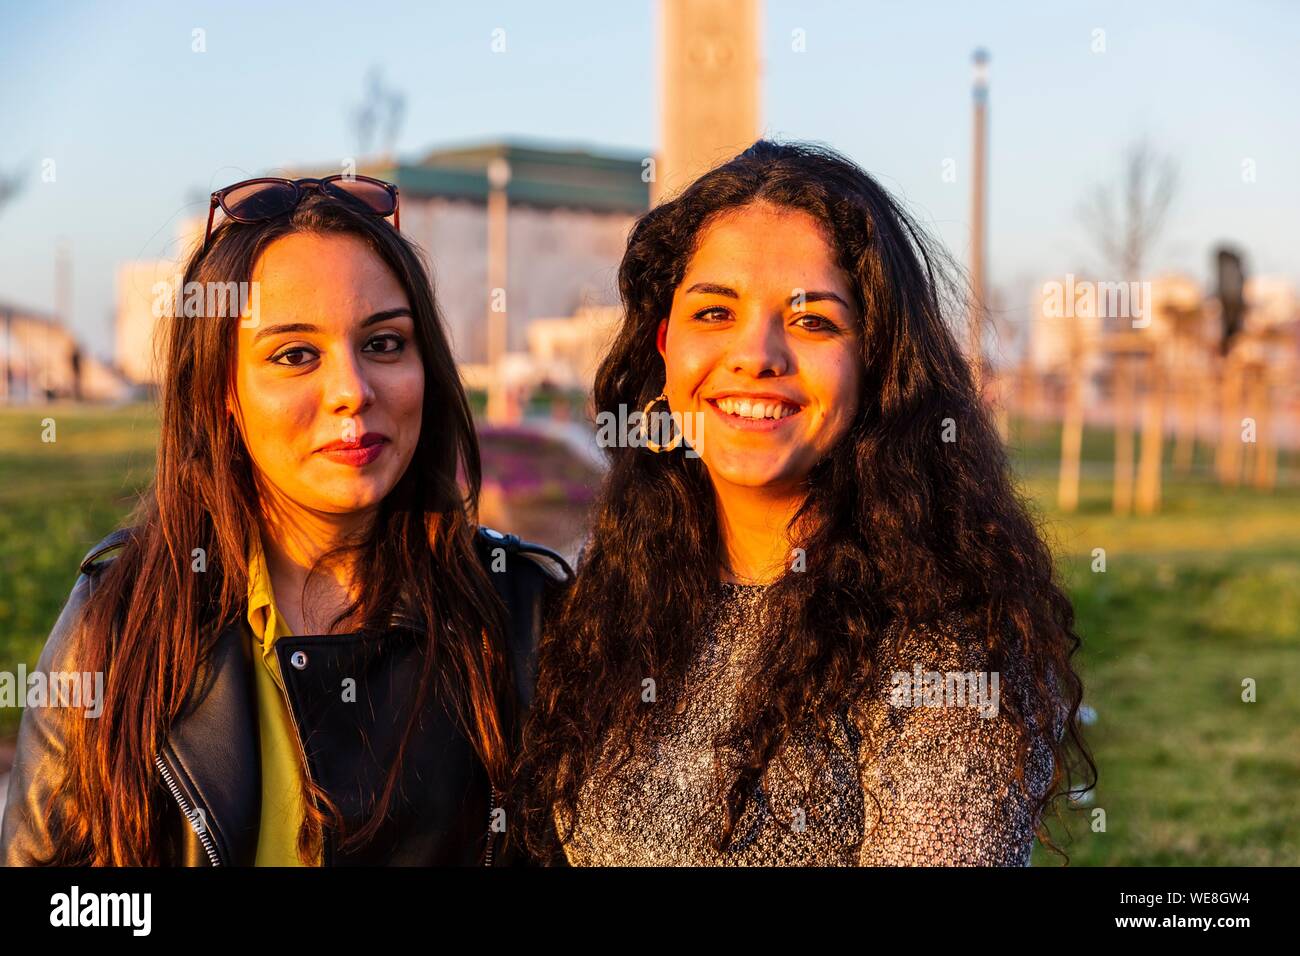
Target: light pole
980	94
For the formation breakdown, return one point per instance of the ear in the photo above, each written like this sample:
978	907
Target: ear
661	336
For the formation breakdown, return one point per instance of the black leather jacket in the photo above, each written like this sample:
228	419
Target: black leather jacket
209	763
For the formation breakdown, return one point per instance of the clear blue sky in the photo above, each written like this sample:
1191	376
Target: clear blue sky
141	128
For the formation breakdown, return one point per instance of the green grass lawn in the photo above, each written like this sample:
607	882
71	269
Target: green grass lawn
1193	601
57	499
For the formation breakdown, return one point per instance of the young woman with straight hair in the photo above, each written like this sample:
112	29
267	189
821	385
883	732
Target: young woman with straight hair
311	653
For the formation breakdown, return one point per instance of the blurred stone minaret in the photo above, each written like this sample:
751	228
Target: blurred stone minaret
708	87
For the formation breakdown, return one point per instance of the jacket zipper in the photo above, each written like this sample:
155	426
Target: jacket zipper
200	831
492	790
491	840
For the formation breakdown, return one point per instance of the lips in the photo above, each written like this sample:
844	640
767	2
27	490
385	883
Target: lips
744	414
755	406
358	453
365	441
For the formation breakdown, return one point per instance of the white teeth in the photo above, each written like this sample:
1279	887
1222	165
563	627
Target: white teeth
745	408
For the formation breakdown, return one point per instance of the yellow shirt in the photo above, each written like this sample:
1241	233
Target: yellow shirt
282	803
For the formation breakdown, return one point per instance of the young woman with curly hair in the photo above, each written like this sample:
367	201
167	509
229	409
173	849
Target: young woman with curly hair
816	626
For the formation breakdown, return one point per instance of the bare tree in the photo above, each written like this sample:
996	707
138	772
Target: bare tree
1124	222
381	111
11	184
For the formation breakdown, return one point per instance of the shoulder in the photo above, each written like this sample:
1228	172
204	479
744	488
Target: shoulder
62	648
955	776
504	552
938	679
32	820
947	642
528	577
101	553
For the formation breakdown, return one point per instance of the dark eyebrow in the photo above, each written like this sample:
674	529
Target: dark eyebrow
818	295
387	314
710	288
286	327
821	295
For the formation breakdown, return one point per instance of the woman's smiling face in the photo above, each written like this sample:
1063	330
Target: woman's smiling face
329	383
762	341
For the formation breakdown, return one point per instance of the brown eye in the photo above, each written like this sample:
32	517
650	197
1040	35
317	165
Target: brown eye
396	342
821	323
294	351
713	314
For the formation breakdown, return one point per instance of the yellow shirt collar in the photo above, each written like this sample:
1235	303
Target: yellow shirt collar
267	624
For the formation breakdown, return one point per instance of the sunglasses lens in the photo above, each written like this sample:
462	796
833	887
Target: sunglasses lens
258	201
373	196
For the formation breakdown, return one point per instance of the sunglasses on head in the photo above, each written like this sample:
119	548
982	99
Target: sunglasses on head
257	200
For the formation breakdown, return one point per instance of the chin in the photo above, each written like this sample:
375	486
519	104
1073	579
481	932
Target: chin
348	501
752	476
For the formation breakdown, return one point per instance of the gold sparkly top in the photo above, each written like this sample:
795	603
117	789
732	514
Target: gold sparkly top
928	785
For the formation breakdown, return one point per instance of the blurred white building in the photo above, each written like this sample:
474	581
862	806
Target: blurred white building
41	360
569	212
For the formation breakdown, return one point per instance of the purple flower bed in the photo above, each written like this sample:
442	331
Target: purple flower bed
528	466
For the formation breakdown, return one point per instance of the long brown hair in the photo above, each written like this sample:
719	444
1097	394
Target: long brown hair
899	529
151	610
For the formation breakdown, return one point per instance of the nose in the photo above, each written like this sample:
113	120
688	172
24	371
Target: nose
758	346
348	390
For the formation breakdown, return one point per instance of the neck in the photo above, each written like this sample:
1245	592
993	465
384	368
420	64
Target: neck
753	525
294	538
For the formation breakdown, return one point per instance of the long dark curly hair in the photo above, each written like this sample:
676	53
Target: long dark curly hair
900	529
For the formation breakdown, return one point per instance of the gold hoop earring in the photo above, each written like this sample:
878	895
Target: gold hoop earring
645	432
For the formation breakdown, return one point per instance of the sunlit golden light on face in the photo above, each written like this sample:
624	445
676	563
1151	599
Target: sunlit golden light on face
332	361
762	342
